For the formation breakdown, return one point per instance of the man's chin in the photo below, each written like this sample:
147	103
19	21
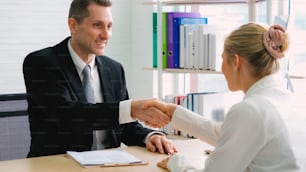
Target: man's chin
99	53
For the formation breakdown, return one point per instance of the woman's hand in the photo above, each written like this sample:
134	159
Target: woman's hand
163	163
167	108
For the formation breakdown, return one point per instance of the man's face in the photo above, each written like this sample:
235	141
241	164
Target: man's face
92	34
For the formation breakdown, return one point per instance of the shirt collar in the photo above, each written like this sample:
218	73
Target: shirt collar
78	62
272	80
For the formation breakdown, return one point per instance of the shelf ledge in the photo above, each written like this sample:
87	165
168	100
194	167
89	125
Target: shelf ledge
195	2
199	71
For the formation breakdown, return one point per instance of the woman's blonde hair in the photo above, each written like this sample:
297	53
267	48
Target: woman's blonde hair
258	47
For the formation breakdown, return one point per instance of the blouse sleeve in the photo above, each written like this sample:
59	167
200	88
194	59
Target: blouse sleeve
179	163
194	124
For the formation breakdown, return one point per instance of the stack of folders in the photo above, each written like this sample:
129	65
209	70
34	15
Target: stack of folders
198	47
105	158
188	41
207	104
171	22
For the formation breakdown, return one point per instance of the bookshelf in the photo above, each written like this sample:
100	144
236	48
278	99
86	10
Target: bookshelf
160	4
197	2
190	71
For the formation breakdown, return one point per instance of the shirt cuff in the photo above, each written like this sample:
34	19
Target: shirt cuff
125	112
178	162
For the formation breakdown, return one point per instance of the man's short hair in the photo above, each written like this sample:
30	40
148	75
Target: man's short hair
79	8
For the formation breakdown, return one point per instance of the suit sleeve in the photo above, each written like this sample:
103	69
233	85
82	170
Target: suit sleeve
52	99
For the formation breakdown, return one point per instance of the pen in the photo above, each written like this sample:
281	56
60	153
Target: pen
207	152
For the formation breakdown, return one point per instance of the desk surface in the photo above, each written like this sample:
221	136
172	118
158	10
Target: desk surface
192	148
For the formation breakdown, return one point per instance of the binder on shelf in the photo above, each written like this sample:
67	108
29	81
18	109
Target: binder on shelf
170	35
164	40
210	105
203	51
192	46
155	41
181	100
212	51
188	61
177	22
207	43
207	104
191	52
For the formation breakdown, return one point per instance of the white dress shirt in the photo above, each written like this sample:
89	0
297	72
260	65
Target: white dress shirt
252	138
124	107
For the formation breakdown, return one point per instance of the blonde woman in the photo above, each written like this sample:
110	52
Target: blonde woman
253	136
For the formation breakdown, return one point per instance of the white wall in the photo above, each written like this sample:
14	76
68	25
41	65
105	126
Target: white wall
26	26
30	25
132	44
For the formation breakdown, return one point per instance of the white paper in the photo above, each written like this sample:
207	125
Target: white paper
104	157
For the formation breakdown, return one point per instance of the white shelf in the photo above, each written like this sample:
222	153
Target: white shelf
199	2
250	4
196	71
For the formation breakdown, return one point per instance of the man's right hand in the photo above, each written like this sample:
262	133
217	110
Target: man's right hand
151	116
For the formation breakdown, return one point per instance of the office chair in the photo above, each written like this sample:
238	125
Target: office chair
14	126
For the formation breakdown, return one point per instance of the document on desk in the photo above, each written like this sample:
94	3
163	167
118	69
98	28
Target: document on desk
105	158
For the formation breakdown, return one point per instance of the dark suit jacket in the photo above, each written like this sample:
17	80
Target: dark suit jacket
60	118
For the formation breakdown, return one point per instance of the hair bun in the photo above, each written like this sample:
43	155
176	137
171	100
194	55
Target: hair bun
272	40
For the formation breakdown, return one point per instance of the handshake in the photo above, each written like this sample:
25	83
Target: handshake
152	112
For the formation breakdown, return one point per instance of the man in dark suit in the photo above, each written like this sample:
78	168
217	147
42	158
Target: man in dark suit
60	115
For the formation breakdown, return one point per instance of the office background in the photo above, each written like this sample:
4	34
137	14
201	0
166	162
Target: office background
30	25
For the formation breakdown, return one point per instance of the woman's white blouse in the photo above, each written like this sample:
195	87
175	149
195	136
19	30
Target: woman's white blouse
252	138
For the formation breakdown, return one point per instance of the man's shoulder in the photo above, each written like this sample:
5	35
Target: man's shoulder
42	56
42	52
107	60
50	51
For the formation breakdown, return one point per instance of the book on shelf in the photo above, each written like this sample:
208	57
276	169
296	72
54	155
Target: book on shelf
210	105
193	59
200	49
212	51
177	40
164	40
179	100
155	40
203	52
207	104
105	158
171	62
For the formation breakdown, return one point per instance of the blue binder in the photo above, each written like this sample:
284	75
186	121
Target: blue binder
176	34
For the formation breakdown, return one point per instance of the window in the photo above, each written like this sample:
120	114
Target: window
297	31
228	17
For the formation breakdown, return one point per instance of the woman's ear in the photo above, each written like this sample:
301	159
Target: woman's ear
237	61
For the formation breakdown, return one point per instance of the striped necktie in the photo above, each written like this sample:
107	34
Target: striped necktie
99	136
88	84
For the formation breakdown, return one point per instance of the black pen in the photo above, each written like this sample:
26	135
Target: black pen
207	152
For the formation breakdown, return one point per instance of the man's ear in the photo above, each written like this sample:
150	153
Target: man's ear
73	24
237	61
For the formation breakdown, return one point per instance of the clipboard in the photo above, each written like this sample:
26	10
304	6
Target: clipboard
105	158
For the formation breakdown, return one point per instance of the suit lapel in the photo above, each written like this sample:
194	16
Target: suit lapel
69	70
105	78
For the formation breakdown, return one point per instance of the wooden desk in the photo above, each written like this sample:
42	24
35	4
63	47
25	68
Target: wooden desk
193	148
